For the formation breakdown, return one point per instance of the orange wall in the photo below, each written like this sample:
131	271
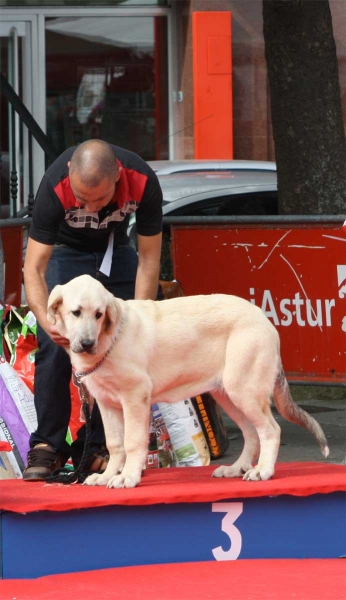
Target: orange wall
212	84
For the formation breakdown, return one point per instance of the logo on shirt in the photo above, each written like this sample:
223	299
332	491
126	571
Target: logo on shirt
77	216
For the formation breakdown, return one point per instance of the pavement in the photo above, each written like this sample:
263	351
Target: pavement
326	404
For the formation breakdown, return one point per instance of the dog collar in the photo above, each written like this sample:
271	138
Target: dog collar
80	375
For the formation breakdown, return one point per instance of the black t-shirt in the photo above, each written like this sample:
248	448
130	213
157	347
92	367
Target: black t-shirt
58	218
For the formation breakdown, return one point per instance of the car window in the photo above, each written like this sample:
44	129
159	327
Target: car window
255	203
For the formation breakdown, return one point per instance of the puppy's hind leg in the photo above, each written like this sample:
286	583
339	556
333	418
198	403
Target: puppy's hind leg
269	434
248	379
254	402
251	447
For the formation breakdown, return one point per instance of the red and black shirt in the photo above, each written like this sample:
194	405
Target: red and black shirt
58	218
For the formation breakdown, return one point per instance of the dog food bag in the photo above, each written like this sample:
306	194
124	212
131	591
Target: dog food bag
214	429
167	457
14	432
20	343
160	450
186	434
10	462
17	420
21	395
153	453
12	326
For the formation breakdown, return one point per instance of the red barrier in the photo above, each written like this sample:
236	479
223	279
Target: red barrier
296	272
12	241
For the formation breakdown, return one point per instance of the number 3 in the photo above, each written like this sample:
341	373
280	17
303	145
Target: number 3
233	510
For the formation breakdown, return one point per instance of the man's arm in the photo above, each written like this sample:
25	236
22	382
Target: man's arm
149	254
36	291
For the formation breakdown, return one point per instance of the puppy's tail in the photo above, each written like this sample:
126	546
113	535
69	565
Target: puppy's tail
292	412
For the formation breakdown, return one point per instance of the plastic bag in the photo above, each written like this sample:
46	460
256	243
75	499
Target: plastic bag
3	309
20	330
20	346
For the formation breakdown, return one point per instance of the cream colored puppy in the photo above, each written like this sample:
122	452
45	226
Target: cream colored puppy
134	353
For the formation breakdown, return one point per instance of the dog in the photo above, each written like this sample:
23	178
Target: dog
132	353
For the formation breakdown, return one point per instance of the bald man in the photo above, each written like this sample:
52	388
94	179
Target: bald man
79	225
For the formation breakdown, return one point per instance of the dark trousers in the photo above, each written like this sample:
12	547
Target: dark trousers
53	366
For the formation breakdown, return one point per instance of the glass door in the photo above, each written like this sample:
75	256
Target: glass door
17	57
107	78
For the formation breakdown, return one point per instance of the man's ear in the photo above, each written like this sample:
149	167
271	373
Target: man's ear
54	301
117	177
113	313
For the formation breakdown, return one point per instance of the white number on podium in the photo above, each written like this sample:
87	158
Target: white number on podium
233	510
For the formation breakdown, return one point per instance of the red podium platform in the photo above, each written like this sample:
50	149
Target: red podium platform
171	486
275	579
174	516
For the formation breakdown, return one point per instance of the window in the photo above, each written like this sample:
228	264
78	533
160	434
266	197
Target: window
258	203
114	84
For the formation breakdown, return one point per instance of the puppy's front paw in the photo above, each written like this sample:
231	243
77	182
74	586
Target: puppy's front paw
258	474
229	471
96	479
123	481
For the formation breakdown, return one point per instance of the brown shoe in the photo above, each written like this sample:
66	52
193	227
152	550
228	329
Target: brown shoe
42	461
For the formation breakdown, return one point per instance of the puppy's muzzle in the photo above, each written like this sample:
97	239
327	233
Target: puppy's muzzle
86	345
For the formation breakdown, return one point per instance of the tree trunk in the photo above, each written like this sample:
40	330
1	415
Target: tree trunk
306	107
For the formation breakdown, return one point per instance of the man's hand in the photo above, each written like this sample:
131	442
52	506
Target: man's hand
35	266
54	335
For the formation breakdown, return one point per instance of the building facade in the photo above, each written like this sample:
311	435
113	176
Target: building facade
154	76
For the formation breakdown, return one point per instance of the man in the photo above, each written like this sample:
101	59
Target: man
79	225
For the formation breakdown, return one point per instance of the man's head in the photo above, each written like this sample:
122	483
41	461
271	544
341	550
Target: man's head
93	172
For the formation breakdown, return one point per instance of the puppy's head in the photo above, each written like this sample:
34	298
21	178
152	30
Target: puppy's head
85	313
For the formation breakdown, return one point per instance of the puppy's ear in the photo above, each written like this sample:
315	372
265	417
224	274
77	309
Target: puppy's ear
113	313
54	301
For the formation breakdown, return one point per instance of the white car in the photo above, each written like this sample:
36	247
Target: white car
219	193
167	167
213	192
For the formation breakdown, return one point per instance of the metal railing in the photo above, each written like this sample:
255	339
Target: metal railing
34	132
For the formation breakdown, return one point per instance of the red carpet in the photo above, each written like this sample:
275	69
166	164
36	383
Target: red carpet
169	486
304	579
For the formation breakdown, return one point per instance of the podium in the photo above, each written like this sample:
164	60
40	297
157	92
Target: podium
178	520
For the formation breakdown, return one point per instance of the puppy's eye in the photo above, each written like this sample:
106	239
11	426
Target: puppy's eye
76	313
98	315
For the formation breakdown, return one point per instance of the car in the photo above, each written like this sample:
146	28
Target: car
167	167
219	193
212	193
